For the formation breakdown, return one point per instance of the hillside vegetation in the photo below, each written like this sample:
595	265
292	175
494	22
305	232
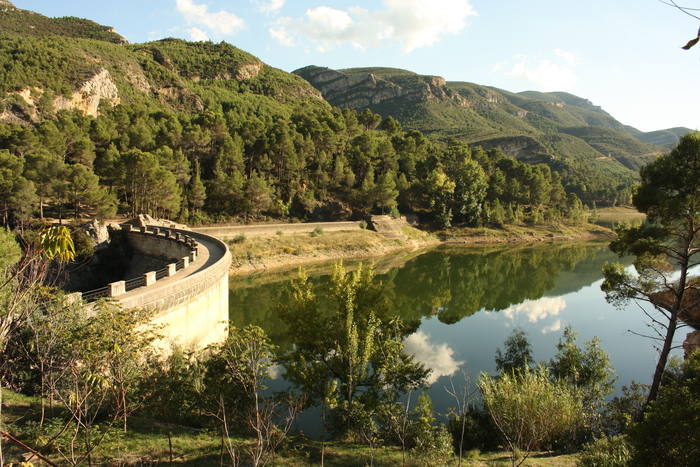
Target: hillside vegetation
205	132
560	129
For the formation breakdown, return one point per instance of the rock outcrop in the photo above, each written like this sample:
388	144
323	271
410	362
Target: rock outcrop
91	94
358	90
691	343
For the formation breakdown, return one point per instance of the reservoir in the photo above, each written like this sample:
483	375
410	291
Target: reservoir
462	303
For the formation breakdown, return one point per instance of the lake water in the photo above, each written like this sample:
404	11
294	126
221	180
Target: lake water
464	302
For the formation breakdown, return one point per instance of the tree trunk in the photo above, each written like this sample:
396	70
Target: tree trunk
661	364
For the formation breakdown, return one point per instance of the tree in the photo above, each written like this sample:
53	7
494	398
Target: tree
348	352
687	10
518	353
240	366
83	191
530	410
669	435
587	369
665	248
197	192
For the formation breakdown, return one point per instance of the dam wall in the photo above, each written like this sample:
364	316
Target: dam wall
189	297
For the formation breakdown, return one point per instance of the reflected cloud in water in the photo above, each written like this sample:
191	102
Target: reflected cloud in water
439	358
554	327
537	310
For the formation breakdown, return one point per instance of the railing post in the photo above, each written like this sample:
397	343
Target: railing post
115	289
149	278
193	256
172	269
143	230
185	261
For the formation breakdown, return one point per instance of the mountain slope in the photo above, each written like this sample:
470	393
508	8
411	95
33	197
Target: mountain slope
51	64
530	125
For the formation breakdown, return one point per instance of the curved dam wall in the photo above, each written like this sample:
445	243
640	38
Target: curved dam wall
188	298
192	306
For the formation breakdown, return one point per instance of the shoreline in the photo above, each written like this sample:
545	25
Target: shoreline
275	253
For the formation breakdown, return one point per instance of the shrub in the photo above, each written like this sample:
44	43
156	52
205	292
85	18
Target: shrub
317	232
669	435
363	224
240	238
552	409
279	233
606	452
479	431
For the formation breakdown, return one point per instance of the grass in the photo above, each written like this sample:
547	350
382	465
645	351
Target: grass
149	442
524	233
292	249
609	217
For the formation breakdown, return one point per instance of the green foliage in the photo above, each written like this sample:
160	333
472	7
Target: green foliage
669	434
606	452
359	364
586	369
619	413
10	252
57	243
666	245
530	410
517	356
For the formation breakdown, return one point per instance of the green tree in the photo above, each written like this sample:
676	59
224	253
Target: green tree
530	410
348	351
83	191
587	369
517	355
668	244
258	195
196	193
669	435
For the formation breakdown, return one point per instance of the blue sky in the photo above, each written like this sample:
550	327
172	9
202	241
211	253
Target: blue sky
623	55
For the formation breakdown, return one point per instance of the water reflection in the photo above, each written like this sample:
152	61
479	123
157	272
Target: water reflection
439	358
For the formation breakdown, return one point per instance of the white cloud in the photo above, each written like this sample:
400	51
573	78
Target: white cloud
439	358
221	22
545	74
568	57
410	23
282	35
554	327
537	310
271	6
197	34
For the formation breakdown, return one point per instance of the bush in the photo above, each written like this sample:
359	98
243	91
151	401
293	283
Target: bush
606	452
318	231
669	435
479	431
553	409
363	224
240	238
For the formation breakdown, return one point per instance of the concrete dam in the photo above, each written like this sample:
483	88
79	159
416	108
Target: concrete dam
188	297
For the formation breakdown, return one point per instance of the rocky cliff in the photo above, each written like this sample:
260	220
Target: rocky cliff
357	89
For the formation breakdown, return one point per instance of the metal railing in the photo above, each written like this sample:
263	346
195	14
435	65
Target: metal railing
137	282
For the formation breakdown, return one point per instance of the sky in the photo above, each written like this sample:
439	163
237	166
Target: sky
623	55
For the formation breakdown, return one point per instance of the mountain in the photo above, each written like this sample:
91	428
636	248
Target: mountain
532	126
51	64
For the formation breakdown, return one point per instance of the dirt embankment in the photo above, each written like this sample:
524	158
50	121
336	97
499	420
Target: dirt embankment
257	249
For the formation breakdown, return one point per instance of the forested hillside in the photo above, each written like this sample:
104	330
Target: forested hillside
207	132
565	131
